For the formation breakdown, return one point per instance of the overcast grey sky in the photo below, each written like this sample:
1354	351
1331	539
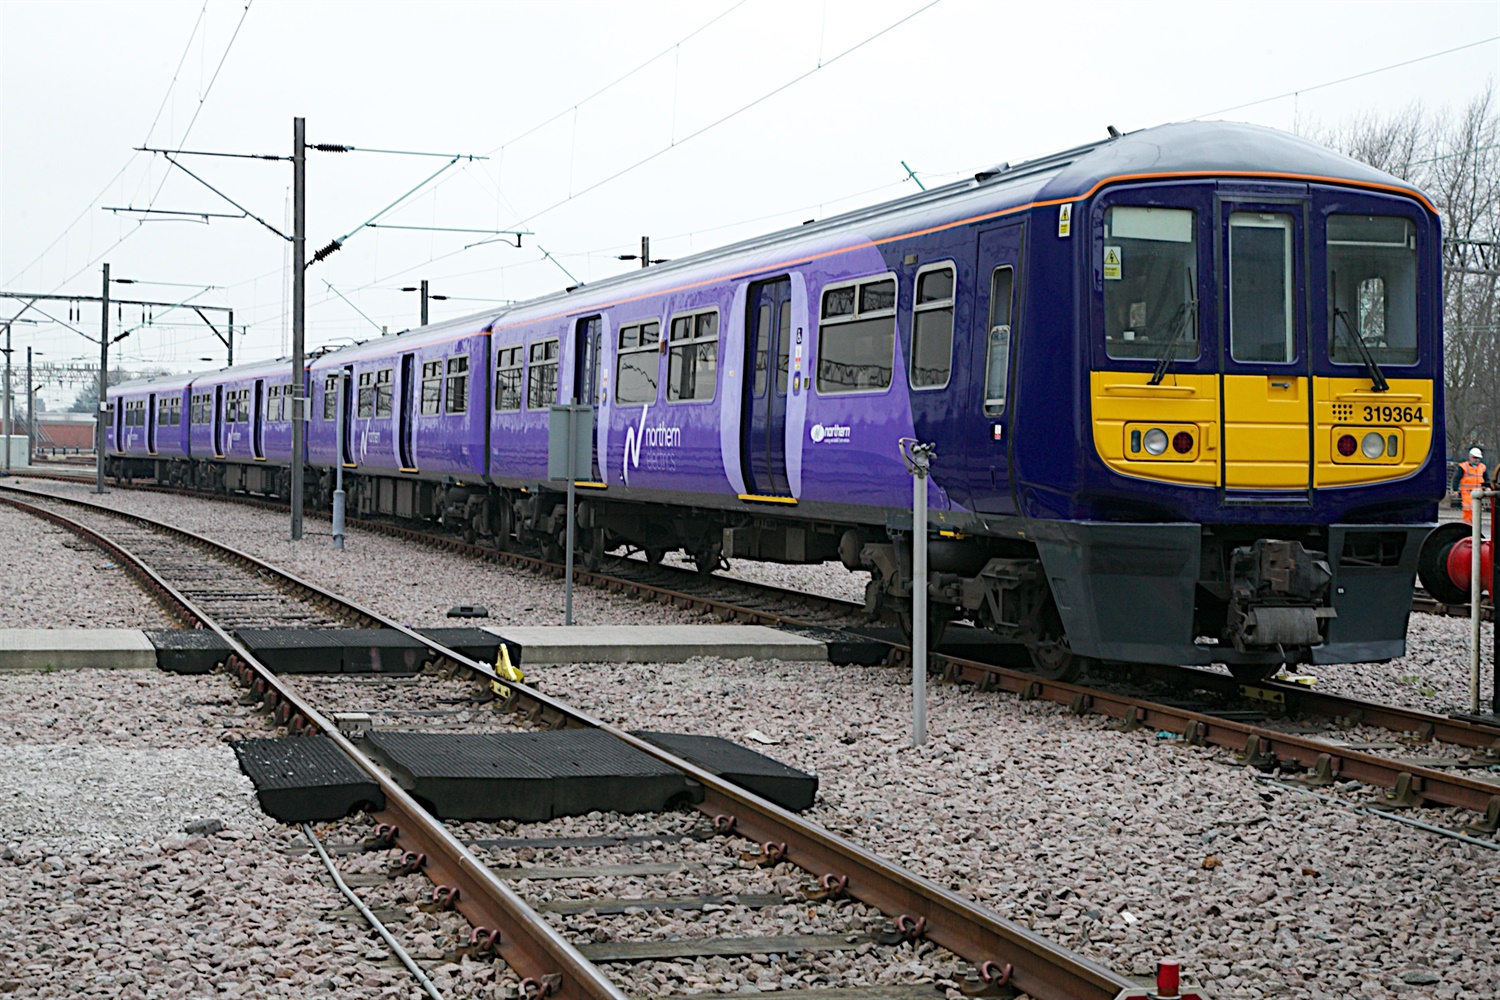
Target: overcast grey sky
950	87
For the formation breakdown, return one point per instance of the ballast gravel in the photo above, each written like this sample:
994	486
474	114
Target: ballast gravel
54	579
411	583
135	862
1126	846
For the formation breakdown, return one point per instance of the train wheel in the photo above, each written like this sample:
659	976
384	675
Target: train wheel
1432	562
1054	661
593	549
708	559
936	625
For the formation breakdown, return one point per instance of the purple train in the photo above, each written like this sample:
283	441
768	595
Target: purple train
1185	387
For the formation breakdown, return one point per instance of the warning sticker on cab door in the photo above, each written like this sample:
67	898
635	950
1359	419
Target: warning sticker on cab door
1111	263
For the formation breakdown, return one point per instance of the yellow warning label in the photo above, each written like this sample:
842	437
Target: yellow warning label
1111	263
1064	220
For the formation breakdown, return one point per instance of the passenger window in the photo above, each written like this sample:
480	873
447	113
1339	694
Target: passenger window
762	348
1148	262
366	396
857	339
932	329
997	348
1372	289
383	393
508	361
636	366
541	385
458	384
432	387
330	397
1260	287
693	358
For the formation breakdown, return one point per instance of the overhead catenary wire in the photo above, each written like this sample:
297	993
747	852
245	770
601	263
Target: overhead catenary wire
106	251
1346	79
679	143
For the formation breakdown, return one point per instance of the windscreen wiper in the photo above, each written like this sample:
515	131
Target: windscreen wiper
1187	312
1377	377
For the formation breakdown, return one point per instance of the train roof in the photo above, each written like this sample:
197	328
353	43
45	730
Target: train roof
160	384
407	340
1183	149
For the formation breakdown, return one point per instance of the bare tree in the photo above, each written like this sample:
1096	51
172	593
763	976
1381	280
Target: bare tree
1454	157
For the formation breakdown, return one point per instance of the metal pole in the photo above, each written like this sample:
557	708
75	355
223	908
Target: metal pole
8	425
30	410
299	288
1476	610
919	603
645	251
103	408
230	363
339	498
424	301
568	559
1494	619
918	459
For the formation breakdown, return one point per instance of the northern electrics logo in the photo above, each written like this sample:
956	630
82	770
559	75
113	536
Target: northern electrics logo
832	433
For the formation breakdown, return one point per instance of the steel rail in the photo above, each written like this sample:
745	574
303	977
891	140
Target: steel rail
527	942
1302	700
922	908
1421	602
1411	784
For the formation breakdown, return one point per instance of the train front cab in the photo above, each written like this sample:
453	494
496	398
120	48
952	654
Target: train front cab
1266	424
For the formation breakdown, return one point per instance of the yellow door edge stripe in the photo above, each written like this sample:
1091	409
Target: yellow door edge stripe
754	498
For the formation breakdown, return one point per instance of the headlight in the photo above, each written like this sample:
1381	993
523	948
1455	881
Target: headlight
1373	445
1155	441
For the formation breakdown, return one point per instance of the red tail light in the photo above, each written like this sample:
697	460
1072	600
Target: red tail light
1347	445
1182	442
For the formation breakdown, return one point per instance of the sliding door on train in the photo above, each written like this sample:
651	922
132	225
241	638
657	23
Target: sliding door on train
257	435
218	421
1267	443
404	432
588	355
346	397
996	322
151	424
768	334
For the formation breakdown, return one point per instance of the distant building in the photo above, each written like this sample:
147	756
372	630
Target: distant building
64	432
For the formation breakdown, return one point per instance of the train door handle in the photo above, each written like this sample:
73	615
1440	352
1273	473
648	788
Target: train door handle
1281	385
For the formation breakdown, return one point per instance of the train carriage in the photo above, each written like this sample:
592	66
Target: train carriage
414	418
1184	384
146	426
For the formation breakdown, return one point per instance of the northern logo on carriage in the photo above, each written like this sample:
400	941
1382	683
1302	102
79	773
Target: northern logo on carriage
831	433
659	436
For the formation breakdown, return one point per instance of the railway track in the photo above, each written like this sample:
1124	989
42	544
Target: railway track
1220	721
1004	956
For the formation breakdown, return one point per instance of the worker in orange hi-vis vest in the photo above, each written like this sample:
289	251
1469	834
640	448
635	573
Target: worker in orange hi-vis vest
1468	478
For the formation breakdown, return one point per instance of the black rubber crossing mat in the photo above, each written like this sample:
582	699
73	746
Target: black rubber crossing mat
381	651
475	643
527	776
844	648
187	650
302	779
296	650
463	776
769	778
